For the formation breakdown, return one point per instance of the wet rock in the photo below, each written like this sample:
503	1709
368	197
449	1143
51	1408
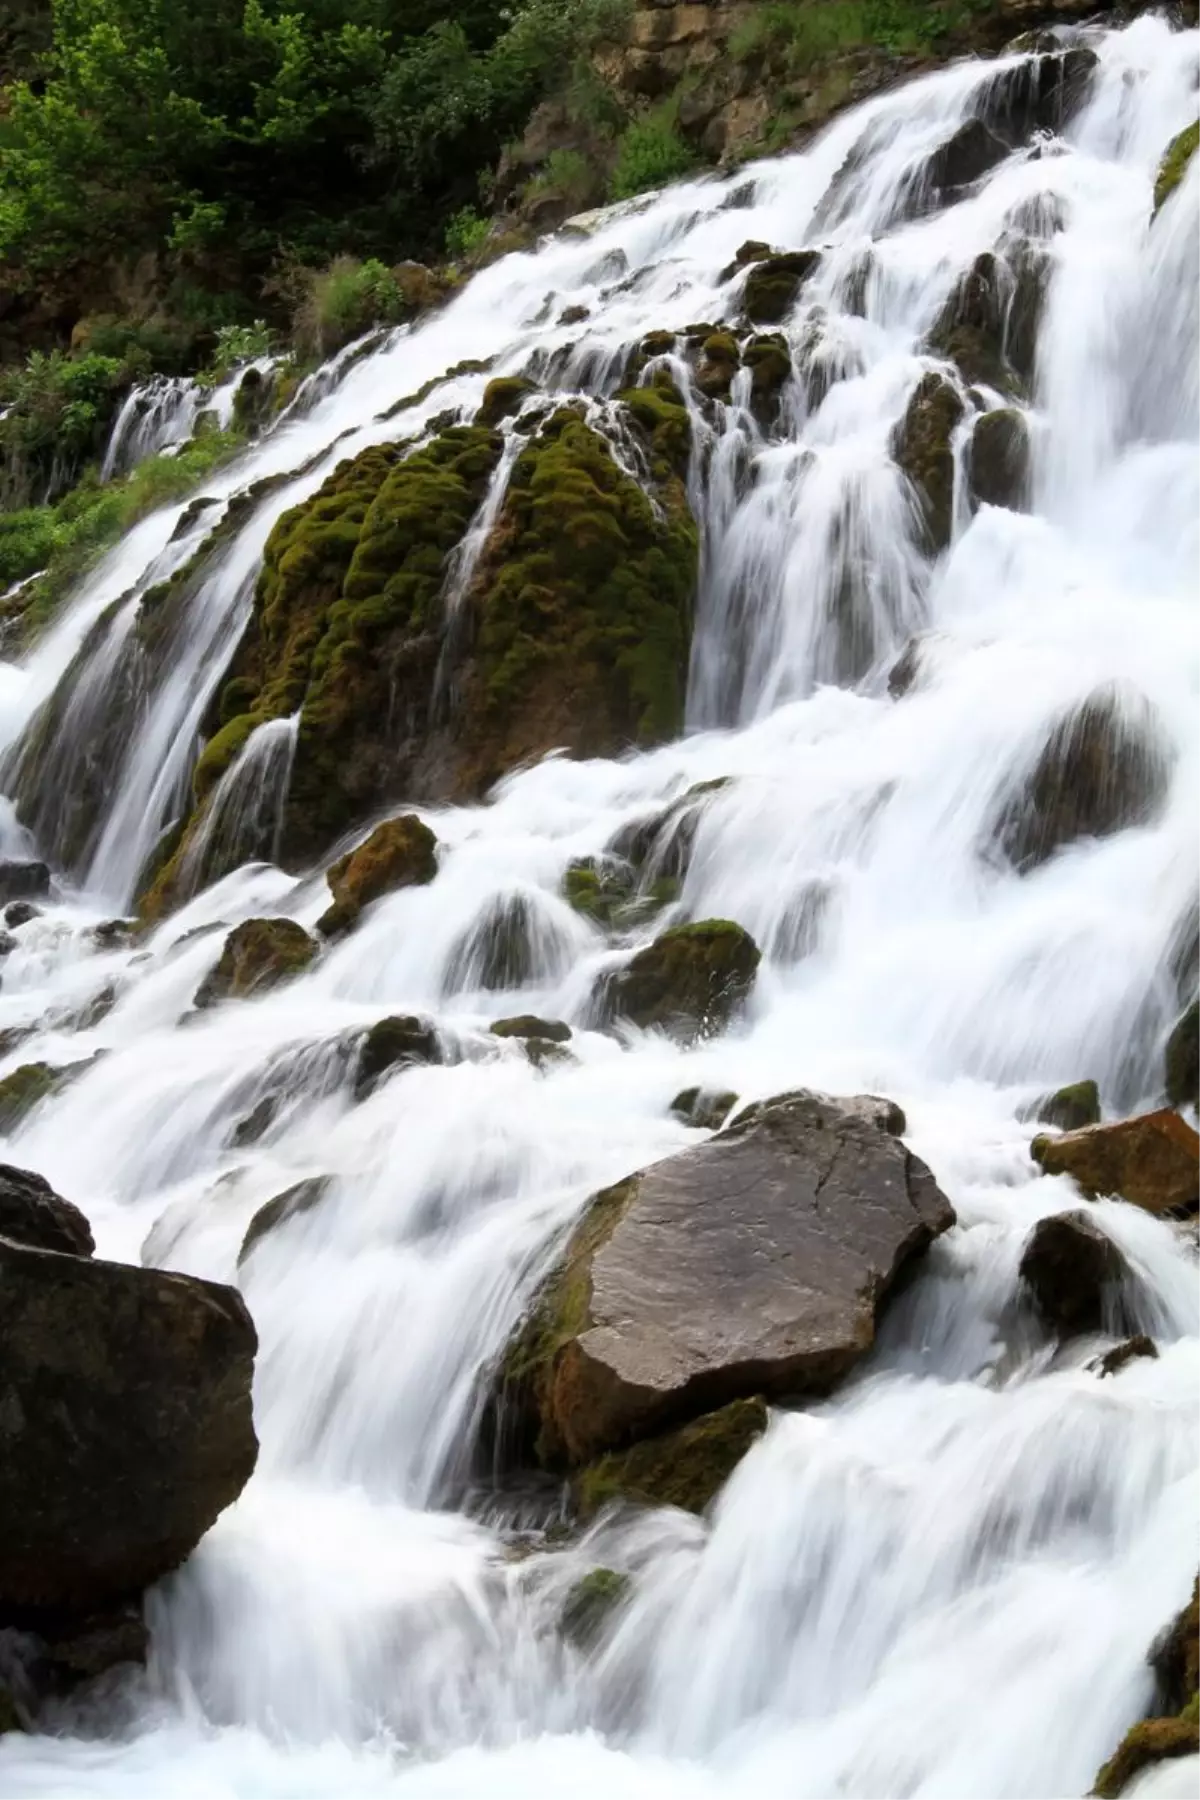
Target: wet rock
499	951
601	888
752	251
8	944
755	1264
62	1653
998	460
970	330
590	1605
31	1213
921	447
773	284
1071	1108
1175	165
704	1108
126	1426
502	397
687	1467
690	981
399	853
966	156
1152	1161
1176	1731
1103	768
1182	1059
1114	1360
21	1091
20	912
528	1026
391	1044
1039	95
660	847
770	364
1073	1269
258	954
301	1197
24	881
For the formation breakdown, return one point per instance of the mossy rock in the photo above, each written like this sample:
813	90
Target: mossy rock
689	982
773	284
526	1025
24	1089
391	1044
770	363
502	397
659	411
662	844
301	1197
970	331
1175	1659
258	954
685	1468
1182	1059
500	950
705	1109
399	853
1072	1107
1175	164
600	888
590	1605
998	459
921	447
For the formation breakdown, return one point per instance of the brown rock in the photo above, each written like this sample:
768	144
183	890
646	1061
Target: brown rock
31	1213
399	853
922	449
258	954
755	1264
1152	1161
1072	1268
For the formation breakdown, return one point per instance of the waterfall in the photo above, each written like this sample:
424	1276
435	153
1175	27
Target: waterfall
943	1579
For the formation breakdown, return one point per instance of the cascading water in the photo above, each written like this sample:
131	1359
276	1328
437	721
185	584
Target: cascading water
943	1580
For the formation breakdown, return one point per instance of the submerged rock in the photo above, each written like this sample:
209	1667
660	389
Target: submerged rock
704	1108
31	1213
551	1031
689	982
1175	1659
1071	1108
773	284
24	881
686	1468
258	954
301	1197
590	1605
399	853
921	447
21	1091
126	1425
755	1264
1152	1161
970	331
965	157
998	459
1102	769
1132	1350
391	1044
502	949
20	912
1072	1269
1182	1059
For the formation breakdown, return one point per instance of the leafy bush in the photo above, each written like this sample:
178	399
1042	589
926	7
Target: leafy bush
806	31
342	301
237	344
465	233
57	410
650	153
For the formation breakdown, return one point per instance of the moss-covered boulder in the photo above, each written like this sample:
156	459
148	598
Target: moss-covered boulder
1073	1271
1182	1059
690	981
685	1468
754	1264
921	446
1175	1731
774	282
998	459
21	1091
502	397
394	1043
1072	1107
1103	767
601	888
1175	164
399	853
1152	1161
589	1607
970	330
258	954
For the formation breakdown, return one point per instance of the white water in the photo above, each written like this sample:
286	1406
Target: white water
943	1581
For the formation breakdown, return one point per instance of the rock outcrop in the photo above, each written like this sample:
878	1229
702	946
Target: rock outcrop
1152	1161
1175	1730
399	853
754	1265
1073	1270
125	1416
921	447
31	1213
392	1044
258	954
998	459
690	982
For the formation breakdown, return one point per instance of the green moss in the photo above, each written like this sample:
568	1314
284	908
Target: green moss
399	853
685	1468
502	397
662	415
773	284
598	889
1071	1108
21	1091
590	1605
690	981
1175	164
221	752
258	954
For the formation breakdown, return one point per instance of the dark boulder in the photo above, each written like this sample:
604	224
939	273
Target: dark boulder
1072	1269
690	981
125	1426
1102	768
965	157
1071	1108
1039	95
1131	1350
1152	1161
301	1197
31	1213
392	1044
258	954
24	881
921	447
399	853
686	1467
998	459
502	949
589	1607
970	329
19	912
526	1026
1182	1059
773	284
704	1108
753	1265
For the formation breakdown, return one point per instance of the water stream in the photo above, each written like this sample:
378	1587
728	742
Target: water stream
942	1581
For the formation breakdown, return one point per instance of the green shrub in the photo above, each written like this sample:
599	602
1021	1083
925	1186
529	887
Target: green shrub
806	31
342	301
237	344
58	410
651	152
465	233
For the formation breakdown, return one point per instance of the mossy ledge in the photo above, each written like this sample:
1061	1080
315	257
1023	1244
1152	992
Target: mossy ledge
1176	1732
685	1468
1175	164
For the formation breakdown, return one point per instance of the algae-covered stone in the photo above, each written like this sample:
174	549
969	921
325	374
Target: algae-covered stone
1182	1059
504	395
971	328
685	1468
399	853
393	1043
689	982
754	1264
1103	767
1175	164
21	1091
1152	1161
998	459
1073	1269
1071	1108
921	447
258	954
1175	1659
601	888
589	1607
773	284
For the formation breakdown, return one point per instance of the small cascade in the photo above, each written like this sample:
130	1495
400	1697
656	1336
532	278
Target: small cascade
156	415
243	819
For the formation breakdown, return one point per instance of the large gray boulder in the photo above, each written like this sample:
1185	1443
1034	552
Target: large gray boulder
755	1264
125	1415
